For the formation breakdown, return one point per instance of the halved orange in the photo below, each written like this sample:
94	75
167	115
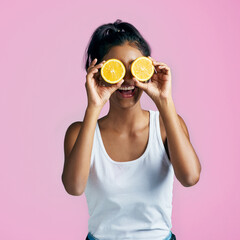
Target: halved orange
142	69
113	71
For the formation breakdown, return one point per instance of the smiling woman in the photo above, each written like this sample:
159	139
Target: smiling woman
121	161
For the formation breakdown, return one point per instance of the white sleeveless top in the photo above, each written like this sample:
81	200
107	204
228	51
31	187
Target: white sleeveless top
131	200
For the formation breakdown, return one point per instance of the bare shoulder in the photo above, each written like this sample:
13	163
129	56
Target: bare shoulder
70	137
73	129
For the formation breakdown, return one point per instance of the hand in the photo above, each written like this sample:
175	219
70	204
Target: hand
98	90
159	88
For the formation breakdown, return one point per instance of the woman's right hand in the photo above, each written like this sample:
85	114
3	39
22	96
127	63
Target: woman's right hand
98	91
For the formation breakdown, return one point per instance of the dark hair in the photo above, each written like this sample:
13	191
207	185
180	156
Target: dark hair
114	34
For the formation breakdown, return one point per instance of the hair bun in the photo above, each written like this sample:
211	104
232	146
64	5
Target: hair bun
112	30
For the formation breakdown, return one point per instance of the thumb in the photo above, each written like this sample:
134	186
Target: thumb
139	84
116	86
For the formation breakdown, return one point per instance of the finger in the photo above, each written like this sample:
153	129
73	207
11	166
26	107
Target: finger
158	67
151	58
114	87
156	62
97	66
161	69
100	64
94	69
160	64
119	84
91	73
139	84
93	62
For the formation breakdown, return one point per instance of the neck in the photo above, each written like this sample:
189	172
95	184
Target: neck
126	118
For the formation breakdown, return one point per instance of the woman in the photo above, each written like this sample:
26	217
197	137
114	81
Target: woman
121	161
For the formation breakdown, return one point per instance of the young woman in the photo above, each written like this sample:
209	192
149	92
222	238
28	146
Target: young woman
125	161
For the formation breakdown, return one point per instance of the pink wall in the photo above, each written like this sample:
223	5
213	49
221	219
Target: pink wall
42	93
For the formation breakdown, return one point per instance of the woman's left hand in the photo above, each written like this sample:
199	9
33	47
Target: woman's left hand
160	87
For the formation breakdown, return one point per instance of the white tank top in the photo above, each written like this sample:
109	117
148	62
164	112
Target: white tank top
131	200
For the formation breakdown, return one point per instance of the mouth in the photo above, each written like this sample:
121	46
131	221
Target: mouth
127	91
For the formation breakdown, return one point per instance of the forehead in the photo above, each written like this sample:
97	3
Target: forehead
124	53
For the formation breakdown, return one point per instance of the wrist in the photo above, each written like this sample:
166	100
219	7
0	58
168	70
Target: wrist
164	103
93	109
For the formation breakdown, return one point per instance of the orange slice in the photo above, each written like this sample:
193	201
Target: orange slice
113	71
142	69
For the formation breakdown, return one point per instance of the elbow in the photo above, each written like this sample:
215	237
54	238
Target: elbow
191	180
70	189
73	192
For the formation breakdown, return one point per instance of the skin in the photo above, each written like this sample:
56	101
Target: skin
132	136
126	125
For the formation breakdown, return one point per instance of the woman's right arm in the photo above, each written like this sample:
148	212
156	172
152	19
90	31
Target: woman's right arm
79	136
77	147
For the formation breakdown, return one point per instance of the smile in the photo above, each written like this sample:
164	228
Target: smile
126	91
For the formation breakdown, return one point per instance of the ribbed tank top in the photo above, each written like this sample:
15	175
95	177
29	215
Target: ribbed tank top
131	200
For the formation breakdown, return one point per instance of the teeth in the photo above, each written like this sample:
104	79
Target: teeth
127	88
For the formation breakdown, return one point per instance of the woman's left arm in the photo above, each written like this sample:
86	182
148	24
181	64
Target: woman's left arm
183	157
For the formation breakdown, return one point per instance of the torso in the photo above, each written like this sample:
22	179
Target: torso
121	146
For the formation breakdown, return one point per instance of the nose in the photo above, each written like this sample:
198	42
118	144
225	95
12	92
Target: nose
128	78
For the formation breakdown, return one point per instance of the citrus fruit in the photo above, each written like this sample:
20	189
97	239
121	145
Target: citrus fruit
142	68
113	71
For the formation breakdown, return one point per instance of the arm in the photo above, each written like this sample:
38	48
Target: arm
77	148
184	159
78	140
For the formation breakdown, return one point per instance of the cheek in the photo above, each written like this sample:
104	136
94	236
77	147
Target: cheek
138	93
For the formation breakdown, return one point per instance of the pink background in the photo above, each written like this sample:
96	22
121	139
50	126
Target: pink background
42	92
